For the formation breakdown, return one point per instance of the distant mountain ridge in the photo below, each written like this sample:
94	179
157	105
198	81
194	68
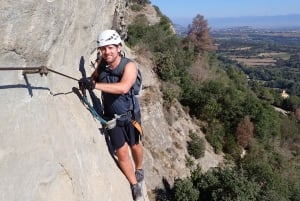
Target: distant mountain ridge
278	21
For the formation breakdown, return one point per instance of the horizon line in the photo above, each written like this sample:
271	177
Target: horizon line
275	15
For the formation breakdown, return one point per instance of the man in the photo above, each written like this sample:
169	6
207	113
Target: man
118	98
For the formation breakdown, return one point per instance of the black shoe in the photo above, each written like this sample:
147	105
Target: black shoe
139	174
136	191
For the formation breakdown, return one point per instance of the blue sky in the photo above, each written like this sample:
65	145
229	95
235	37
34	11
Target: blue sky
226	8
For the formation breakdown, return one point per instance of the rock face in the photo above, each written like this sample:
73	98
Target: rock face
51	148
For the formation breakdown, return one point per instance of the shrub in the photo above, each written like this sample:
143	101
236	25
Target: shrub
136	7
196	146
222	185
170	93
185	191
189	161
215	135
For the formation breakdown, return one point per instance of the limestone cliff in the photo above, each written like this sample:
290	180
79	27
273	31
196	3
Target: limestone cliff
51	148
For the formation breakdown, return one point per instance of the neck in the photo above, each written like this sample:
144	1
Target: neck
115	63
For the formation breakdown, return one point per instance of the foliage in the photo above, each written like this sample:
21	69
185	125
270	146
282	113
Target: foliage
136	7
141	2
277	77
137	30
224	104
166	67
170	59
285	70
185	191
237	110
266	122
274	182
244	132
189	162
196	146
215	135
216	185
252	181
171	92
198	34
291	104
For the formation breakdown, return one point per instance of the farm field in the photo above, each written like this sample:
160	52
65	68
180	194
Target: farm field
255	61
272	56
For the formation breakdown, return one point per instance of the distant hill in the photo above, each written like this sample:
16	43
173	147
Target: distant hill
278	21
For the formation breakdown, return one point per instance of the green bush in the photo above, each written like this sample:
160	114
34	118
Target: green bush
215	134
136	7
185	191
170	93
140	2
224	185
135	34
240	183
189	162
196	146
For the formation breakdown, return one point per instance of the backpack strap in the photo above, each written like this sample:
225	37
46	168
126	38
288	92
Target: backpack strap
117	71
120	69
107	75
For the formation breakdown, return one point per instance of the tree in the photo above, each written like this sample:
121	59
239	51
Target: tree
198	34
244	132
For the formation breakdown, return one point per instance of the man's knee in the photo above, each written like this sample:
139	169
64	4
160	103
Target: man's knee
136	147
122	152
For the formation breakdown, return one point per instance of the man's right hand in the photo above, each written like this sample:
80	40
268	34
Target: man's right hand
86	83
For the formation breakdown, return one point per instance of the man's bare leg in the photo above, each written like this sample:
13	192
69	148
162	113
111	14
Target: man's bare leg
125	164
137	154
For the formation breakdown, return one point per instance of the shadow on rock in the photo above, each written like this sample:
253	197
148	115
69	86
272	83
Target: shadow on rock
165	193
96	106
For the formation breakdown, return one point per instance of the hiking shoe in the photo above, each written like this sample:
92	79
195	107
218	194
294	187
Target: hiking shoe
139	174
136	191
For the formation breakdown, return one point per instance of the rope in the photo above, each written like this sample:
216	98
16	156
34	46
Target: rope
93	111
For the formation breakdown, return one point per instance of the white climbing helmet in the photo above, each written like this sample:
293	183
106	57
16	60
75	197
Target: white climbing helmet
109	37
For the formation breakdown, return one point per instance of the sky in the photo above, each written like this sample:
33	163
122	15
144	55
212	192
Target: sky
226	8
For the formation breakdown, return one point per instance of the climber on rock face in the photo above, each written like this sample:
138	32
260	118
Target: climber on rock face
115	76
